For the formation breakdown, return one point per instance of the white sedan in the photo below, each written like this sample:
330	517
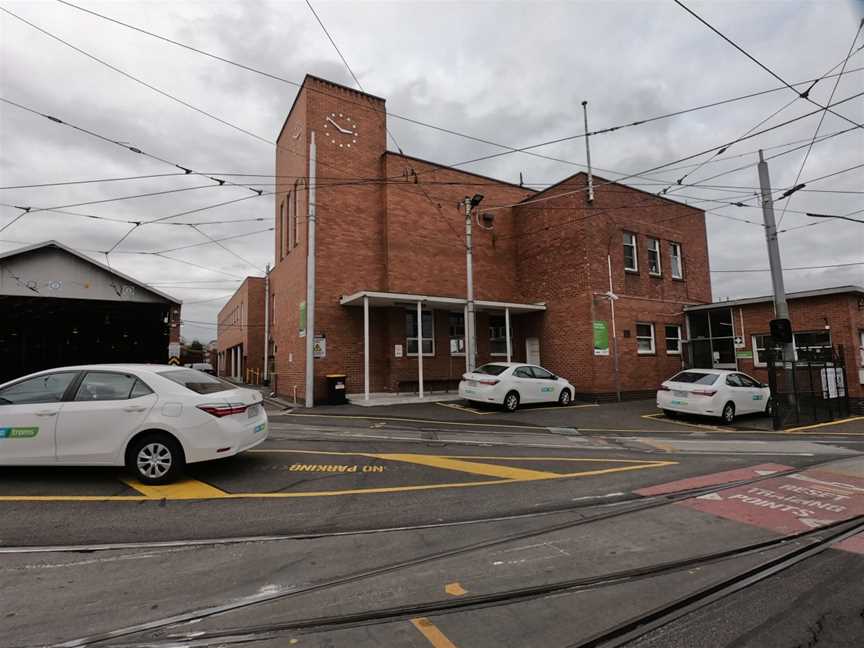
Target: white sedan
512	383
714	392
153	419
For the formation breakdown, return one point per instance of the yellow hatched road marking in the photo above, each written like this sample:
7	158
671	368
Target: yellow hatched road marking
473	467
432	633
180	490
455	589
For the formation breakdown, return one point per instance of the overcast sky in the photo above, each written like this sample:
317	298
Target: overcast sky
513	73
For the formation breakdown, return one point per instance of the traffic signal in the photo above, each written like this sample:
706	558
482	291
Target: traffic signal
781	330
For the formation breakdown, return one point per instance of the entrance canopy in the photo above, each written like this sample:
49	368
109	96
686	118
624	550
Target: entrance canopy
368	298
385	299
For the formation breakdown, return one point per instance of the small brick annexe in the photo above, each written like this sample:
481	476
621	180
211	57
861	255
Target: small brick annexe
391	223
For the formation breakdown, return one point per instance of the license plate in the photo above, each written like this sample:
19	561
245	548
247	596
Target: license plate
680	394
253	410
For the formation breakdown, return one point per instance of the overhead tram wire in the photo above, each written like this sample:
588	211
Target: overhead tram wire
364	106
819	125
803	95
815	267
98	180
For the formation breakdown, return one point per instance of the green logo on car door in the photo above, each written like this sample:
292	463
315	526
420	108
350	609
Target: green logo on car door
18	433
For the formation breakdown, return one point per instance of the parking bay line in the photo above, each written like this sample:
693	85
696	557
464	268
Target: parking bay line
433	635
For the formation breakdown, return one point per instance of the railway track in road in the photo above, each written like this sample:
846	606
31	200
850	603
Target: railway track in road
803	546
626	508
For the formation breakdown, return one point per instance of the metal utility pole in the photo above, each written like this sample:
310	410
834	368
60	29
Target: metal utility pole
588	156
310	278
470	324
612	297
780	307
266	321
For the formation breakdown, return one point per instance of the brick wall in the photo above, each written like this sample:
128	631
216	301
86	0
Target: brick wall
241	321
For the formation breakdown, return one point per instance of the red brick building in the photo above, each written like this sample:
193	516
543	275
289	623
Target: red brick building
240	333
390	233
734	334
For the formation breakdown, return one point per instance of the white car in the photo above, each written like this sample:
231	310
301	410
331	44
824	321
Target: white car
714	392
153	419
513	383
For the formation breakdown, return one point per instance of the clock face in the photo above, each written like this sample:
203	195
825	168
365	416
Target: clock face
340	130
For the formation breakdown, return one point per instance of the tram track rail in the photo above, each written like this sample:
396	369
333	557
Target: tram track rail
638	505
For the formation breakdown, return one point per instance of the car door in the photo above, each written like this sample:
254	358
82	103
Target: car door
525	383
28	418
755	392
738	394
547	386
106	409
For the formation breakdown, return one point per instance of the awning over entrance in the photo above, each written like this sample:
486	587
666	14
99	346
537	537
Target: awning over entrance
368	298
431	301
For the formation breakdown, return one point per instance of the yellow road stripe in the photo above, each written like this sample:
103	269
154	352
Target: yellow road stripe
432	633
473	467
819	425
455	589
180	490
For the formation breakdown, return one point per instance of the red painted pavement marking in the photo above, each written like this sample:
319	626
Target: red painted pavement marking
713	479
791	504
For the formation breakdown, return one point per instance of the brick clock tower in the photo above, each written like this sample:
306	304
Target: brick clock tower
350	135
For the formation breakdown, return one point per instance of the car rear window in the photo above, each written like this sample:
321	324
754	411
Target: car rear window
196	381
695	377
491	369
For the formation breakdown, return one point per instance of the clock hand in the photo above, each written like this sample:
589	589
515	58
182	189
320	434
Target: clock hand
339	128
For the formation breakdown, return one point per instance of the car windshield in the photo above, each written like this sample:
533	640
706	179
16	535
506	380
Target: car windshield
695	377
196	381
491	369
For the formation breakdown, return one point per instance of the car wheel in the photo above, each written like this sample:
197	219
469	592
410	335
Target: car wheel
511	401
565	398
155	459
728	415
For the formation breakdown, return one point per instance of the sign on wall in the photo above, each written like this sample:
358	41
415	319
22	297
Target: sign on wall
601	338
303	319
397	350
319	347
174	350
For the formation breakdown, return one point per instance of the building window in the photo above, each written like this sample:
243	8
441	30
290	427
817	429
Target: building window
644	337
676	260
456	324
498	335
283	231
411	333
654	257
298	186
812	345
293	224
288	238
673	339
761	343
630	260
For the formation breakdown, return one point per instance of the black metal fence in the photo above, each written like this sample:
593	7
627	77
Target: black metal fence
811	389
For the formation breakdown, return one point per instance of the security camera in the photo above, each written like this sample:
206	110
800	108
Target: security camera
476	199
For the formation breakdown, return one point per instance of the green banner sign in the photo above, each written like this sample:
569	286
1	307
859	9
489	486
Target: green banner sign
601	338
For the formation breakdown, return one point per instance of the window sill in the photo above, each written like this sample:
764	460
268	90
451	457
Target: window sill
499	355
656	275
681	279
673	353
631	271
414	355
646	353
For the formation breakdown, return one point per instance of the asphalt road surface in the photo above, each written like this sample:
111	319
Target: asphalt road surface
588	527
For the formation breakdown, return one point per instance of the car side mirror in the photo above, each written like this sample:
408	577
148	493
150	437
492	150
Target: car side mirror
764	385
554	377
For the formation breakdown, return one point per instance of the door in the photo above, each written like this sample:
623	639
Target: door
106	409
546	384
532	350
755	392
526	384
739	394
28	418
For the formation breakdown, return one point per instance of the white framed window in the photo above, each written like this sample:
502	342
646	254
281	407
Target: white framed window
644	337
498	335
673	339
411	333
293	233
289	225
283	231
631	261
676	260
654	266
807	345
456	325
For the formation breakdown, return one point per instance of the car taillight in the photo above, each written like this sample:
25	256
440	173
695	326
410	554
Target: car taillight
488	381
223	409
663	388
703	392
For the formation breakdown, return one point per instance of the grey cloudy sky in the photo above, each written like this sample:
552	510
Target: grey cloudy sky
509	72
